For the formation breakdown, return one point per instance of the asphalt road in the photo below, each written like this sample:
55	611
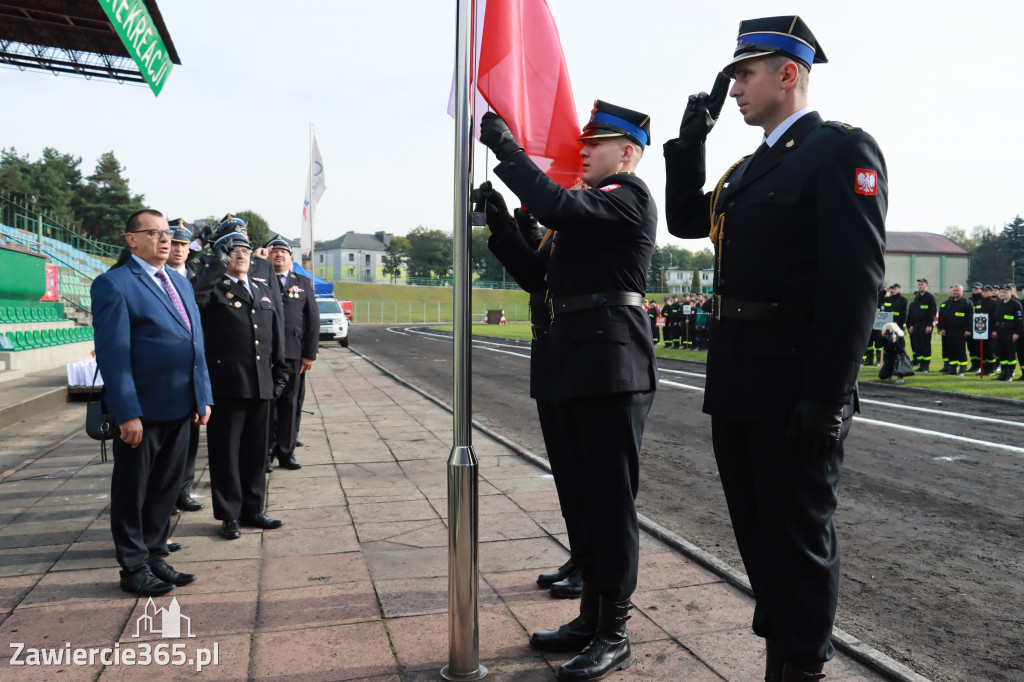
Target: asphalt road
930	521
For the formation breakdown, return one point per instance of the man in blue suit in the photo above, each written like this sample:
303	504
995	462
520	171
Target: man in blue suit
149	347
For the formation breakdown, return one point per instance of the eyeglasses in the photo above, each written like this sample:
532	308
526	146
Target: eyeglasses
244	250
155	234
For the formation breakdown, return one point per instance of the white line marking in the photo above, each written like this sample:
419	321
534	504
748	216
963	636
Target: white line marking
945	413
937	434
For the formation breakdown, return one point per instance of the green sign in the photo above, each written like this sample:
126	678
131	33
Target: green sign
135	26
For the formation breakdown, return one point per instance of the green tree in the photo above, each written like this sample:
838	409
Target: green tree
656	272
675	257
258	229
1014	233
106	201
482	262
394	259
15	173
430	253
992	259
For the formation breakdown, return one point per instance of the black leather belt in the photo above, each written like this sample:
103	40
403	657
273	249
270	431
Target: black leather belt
575	304
539	332
755	311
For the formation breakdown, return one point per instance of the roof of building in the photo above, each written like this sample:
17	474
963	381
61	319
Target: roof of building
924	243
353	241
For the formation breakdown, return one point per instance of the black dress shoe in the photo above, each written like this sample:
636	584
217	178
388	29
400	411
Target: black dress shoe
143	583
298	443
575	634
270	468
608	651
570	588
174	546
167	573
261	520
188	504
290	463
230	530
549	579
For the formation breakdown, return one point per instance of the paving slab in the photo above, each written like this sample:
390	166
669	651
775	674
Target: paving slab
355	585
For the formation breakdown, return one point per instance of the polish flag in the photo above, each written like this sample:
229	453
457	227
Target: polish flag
522	76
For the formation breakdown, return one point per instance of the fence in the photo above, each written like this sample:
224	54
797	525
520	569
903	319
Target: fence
16	212
409	312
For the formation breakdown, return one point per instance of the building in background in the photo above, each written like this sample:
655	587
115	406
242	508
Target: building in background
354	257
909	256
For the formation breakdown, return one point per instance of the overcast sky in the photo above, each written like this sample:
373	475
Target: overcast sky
932	81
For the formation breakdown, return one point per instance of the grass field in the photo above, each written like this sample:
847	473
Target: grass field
397	304
970	383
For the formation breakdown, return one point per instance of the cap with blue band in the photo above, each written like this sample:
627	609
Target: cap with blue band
608	120
787	35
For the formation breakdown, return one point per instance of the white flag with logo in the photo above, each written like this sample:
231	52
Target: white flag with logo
316	185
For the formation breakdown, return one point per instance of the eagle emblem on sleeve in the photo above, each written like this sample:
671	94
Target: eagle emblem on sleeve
866	182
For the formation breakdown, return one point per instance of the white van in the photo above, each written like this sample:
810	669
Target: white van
333	321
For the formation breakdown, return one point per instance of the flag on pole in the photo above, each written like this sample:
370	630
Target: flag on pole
522	76
315	187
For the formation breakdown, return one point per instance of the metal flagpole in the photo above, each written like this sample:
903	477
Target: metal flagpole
463	570
312	242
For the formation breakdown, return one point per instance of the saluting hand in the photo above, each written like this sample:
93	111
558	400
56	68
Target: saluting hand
702	111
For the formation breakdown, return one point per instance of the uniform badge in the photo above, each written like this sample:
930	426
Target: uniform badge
229	295
609	188
266	299
866	182
238	304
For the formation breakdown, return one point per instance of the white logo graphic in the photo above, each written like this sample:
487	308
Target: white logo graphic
866	183
164	622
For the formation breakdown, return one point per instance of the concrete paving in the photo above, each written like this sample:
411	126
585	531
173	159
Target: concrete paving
354	586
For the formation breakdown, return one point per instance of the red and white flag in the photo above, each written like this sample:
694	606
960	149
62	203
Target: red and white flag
522	76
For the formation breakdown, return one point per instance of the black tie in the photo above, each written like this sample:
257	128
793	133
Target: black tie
758	155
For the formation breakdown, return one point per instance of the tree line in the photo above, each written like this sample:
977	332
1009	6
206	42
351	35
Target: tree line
997	255
428	253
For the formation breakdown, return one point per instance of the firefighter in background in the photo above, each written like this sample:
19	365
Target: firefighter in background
920	320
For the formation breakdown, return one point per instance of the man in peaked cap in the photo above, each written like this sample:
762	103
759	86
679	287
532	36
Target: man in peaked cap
789	336
920	320
245	355
178	260
602	360
301	342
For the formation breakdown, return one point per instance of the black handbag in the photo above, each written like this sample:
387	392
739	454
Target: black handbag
903	368
98	424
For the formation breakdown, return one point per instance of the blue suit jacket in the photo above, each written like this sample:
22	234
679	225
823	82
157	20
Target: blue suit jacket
153	367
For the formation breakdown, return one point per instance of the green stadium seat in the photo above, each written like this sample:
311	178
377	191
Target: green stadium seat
19	314
65	337
14	341
92	333
37	339
52	337
5	315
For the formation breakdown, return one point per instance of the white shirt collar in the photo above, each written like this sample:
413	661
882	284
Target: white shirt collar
149	269
784	126
181	271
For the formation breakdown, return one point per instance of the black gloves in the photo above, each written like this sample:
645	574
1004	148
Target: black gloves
490	201
814	427
494	133
526	222
702	112
280	383
207	234
222	251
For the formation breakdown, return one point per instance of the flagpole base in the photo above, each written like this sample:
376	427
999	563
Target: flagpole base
479	674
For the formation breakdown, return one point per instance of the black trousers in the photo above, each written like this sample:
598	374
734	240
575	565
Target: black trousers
781	505
601	449
236	436
284	424
921	344
956	346
143	487
189	477
1004	346
569	485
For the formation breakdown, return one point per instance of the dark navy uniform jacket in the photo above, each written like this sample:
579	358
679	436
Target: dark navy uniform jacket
604	241
524	253
244	348
921	310
301	317
805	226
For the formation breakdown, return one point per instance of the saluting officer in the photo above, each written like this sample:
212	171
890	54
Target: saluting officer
245	355
602	360
897	305
799	232
920	320
956	315
180	261
1007	331
301	342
